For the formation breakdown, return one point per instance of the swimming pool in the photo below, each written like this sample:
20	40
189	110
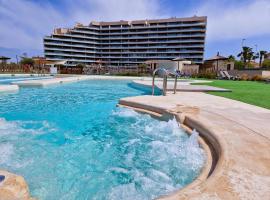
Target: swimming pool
72	142
10	79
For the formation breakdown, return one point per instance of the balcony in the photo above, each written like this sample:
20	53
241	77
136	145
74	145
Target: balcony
155	31
156	26
67	55
68	50
153	47
150	42
67	45
68	40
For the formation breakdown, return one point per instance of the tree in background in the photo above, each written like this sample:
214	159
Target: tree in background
239	64
266	64
231	58
261	56
27	61
80	65
246	55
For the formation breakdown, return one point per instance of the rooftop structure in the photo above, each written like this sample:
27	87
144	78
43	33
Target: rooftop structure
185	67
4	59
128	42
217	57
217	63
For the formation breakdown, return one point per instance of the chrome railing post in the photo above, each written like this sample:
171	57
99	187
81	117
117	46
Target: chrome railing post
175	84
165	84
153	84
166	73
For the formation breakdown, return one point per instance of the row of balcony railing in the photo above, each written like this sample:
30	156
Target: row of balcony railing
158	46
143	26
58	40
94	49
126	40
125	37
160	56
187	52
131	32
123	32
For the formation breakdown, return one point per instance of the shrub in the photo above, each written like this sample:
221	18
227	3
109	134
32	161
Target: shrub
127	74
80	65
244	77
194	75
27	61
256	78
249	65
238	64
207	75
266	64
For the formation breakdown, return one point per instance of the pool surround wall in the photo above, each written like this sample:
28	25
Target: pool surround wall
237	135
207	141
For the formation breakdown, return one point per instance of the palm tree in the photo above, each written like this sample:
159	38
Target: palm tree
261	56
231	58
246	55
27	61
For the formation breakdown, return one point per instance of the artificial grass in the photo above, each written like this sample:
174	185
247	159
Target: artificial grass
251	92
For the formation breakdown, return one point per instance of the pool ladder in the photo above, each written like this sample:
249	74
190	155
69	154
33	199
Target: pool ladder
165	73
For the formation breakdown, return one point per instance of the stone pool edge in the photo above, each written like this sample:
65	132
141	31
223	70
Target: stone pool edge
241	156
210	165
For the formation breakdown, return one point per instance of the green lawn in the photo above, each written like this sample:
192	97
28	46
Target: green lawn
255	93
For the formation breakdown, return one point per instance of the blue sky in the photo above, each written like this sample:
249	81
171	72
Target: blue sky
25	22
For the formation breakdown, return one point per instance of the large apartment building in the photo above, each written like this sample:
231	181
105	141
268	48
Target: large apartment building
128	42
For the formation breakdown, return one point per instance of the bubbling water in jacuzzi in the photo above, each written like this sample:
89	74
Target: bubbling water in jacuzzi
73	143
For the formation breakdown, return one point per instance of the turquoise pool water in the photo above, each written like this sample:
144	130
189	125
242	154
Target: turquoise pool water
10	79
72	142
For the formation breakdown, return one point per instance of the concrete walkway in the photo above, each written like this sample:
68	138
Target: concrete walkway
68	79
184	86
240	134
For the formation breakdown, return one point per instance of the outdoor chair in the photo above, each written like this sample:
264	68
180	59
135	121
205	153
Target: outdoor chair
222	75
230	77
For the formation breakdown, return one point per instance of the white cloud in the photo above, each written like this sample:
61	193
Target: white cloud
25	23
232	21
104	10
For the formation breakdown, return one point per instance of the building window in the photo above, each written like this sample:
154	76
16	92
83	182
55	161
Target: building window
228	67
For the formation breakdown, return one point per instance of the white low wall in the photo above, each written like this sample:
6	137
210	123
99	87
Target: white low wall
8	88
266	74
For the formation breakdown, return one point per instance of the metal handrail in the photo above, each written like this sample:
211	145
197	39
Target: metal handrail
166	73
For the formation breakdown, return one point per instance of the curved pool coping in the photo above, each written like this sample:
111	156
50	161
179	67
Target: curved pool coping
226	175
211	144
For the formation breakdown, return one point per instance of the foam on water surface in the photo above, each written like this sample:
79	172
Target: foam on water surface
6	150
71	142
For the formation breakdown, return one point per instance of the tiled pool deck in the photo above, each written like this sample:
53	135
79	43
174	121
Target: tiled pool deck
184	86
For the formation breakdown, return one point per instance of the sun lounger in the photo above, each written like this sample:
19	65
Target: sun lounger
222	75
230	77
